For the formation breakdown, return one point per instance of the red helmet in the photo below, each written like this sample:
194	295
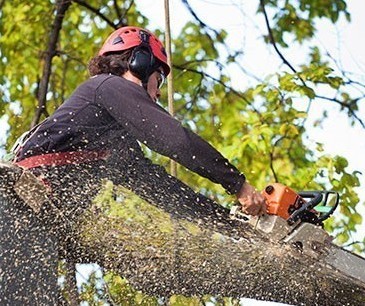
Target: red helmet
129	37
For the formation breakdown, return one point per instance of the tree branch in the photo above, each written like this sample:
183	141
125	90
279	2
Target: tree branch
201	23
117	10
204	74
272	40
122	15
346	106
61	8
96	12
183	261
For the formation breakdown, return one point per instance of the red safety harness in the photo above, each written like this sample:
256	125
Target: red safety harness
53	159
62	158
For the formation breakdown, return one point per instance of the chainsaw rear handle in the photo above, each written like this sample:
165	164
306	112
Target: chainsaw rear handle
317	197
324	216
326	194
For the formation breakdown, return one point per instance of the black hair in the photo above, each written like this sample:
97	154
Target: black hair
113	63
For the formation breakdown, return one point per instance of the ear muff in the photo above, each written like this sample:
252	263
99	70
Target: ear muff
142	63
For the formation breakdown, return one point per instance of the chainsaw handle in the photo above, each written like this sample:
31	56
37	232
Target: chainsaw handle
316	198
326	215
326	194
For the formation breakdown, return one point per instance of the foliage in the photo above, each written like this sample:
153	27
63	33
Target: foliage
261	129
298	18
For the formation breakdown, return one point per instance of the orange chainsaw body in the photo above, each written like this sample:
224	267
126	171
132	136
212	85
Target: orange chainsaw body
281	200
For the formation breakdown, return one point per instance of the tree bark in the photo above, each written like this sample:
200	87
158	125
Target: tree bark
162	253
61	8
28	252
161	256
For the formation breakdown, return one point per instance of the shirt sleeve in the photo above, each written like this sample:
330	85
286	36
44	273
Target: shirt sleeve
131	106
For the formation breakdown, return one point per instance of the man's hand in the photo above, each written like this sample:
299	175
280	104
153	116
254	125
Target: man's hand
253	202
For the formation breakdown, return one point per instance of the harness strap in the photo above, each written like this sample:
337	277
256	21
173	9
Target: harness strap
62	158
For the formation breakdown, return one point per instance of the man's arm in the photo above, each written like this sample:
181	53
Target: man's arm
131	106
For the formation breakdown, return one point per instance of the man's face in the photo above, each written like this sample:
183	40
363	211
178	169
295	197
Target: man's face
155	81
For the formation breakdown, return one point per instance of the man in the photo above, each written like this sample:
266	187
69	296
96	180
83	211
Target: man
108	114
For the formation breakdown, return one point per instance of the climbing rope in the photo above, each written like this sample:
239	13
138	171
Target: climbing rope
170	84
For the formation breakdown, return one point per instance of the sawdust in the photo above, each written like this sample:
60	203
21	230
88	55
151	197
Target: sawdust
162	237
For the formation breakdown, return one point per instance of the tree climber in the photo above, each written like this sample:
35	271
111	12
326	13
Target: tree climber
100	125
95	135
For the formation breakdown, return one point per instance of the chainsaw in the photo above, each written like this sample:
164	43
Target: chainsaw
296	218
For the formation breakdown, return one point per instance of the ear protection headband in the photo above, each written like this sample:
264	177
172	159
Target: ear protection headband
142	62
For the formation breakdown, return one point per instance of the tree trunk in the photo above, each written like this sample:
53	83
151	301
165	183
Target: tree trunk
28	253
162	253
162	256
